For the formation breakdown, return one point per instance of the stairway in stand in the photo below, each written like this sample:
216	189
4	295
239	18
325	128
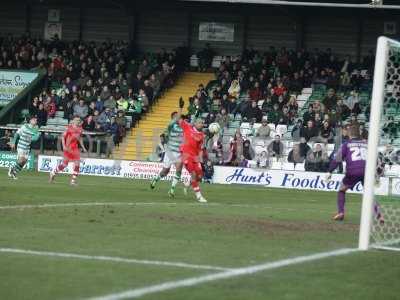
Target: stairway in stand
141	141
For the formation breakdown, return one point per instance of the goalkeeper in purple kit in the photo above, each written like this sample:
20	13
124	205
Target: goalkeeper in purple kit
354	153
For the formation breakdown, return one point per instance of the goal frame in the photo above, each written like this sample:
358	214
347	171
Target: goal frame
378	96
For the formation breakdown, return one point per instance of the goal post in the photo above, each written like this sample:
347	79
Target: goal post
386	78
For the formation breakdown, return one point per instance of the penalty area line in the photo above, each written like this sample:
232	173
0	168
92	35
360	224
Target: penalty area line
112	259
193	281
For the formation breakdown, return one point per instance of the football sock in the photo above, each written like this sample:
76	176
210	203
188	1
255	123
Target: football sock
196	188
60	167
176	179
17	168
340	201
75	172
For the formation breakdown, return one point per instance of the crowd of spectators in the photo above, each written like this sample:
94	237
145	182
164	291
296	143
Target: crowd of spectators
100	83
258	87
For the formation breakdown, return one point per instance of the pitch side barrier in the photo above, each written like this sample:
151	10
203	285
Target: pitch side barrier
222	175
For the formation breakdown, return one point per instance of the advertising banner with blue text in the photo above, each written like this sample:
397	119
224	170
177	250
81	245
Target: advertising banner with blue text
12	83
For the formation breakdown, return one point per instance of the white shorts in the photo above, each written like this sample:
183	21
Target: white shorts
171	158
23	154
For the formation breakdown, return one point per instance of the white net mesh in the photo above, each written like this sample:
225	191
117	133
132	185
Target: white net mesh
385	230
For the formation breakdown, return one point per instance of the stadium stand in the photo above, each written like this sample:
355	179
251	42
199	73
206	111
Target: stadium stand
102	83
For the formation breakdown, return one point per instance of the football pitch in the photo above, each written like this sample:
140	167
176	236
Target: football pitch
117	239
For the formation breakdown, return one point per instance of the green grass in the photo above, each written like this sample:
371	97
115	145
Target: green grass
241	226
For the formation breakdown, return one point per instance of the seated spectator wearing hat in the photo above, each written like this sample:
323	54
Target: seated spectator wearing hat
317	160
264	131
275	148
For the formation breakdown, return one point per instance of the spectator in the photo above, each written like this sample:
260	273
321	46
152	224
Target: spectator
205	56
248	152
262	160
310	131
235	149
99	104
105	117
330	100
299	152
264	131
275	148
297	130
142	97
135	109
50	107
5	140
89	124
34	107
317	160
234	89
92	108
222	119
148	90
255	93
144	68
342	110
309	114
160	149
252	112
229	104
113	130
363	132
105	94
275	114
122	123
326	133
155	83
110	103
122	104
208	170
41	115
81	110
137	83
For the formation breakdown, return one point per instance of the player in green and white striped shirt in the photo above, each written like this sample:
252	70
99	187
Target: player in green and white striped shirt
22	140
172	154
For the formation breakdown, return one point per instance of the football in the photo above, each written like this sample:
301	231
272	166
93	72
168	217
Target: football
214	128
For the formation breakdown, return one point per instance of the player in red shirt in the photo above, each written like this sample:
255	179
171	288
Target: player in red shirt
71	140
192	151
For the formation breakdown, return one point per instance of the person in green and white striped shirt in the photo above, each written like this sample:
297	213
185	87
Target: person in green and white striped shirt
22	140
172	155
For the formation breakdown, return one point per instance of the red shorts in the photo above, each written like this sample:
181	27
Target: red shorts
73	155
192	165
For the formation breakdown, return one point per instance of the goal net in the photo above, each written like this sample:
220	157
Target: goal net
383	153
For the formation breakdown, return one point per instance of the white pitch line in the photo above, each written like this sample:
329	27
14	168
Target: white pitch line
55	205
170	285
112	259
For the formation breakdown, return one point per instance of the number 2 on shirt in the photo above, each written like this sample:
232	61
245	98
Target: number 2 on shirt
358	153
